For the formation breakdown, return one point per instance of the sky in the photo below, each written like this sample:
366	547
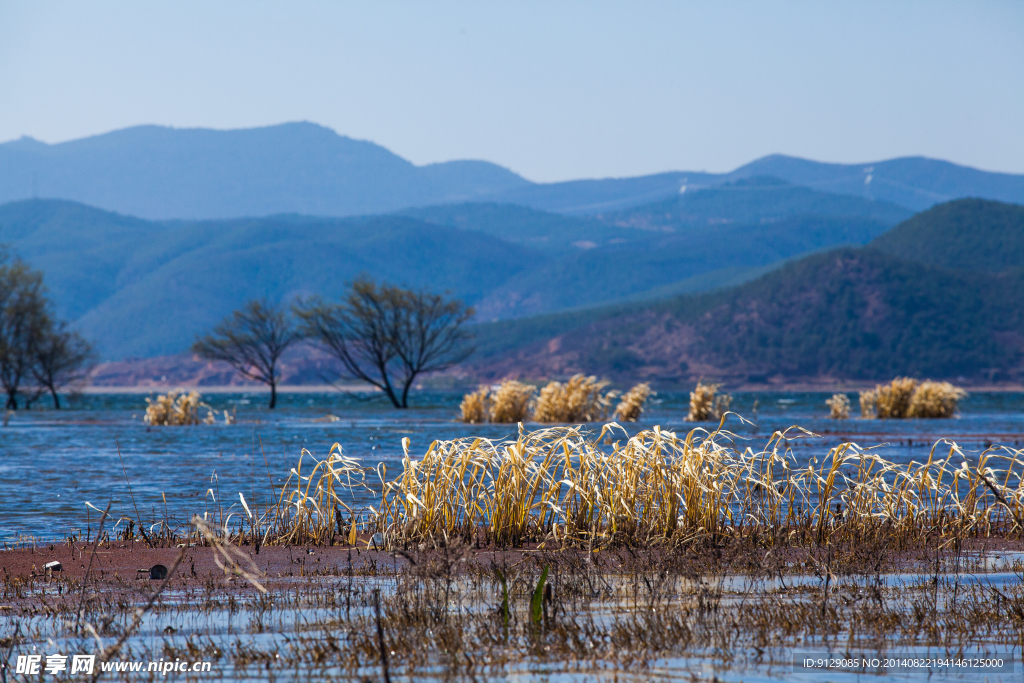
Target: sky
553	90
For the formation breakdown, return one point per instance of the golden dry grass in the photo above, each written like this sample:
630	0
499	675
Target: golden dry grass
907	398
935	399
312	504
560	484
839	406
510	403
707	404
475	407
176	409
869	404
894	398
632	404
580	399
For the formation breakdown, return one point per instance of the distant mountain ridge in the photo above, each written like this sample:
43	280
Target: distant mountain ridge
166	173
162	173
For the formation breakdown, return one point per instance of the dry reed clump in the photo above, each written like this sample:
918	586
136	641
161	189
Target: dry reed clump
893	400
904	397
632	404
869	404
707	404
935	399
475	407
560	485
580	399
309	509
839	406
510	403
176	409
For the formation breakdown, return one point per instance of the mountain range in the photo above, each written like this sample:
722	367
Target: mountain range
164	173
931	297
781	268
143	288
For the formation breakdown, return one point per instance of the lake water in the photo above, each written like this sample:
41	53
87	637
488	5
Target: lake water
53	462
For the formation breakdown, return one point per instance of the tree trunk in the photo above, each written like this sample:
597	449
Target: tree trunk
405	392
56	398
12	400
273	394
388	390
391	395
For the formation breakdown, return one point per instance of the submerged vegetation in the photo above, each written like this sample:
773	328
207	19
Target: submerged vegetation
905	397
452	613
558	485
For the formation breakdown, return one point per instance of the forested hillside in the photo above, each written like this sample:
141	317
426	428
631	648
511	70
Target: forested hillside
854	313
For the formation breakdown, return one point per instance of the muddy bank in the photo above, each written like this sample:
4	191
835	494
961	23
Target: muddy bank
135	567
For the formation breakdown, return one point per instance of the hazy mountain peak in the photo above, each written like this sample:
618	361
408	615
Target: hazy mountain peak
162	172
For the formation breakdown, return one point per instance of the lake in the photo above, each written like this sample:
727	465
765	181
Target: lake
54	462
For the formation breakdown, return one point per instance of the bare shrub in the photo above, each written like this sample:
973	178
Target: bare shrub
251	340
387	336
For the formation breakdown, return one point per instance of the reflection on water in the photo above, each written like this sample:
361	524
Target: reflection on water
52	462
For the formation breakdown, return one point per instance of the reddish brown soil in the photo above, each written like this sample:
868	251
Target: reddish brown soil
126	564
126	559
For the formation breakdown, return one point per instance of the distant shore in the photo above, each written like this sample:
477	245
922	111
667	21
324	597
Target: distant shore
823	387
231	389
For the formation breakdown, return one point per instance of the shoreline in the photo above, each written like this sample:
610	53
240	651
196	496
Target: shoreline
367	388
229	389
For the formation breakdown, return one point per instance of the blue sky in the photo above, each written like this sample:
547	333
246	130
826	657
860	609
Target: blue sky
553	90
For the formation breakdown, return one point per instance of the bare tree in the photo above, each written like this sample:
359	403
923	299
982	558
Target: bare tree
386	336
62	358
23	323
251	340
